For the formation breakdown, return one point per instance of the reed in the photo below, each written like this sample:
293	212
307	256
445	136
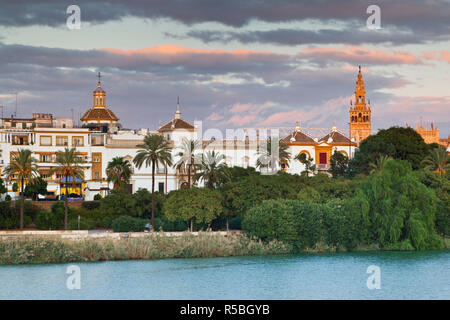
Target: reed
38	250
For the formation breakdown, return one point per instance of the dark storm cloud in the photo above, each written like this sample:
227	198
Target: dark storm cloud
298	37
425	19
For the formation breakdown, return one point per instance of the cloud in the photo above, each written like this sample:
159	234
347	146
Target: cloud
443	55
358	54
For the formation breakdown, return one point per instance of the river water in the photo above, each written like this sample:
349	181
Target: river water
403	275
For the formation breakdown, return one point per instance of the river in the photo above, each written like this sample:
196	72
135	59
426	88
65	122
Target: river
403	275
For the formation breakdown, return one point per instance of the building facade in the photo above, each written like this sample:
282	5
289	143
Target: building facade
101	138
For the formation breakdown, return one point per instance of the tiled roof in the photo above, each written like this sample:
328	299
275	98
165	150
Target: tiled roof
336	136
298	137
176	124
99	114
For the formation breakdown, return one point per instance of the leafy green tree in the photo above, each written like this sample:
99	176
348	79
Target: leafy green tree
155	151
23	167
143	199
68	165
118	203
201	205
35	187
188	161
119	172
402	209
212	169
338	164
3	188
310	167
438	161
396	142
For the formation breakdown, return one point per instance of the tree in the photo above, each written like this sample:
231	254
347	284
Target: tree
338	164
35	187
438	161
68	165
402	209
188	159
156	151
267	160
118	203
23	167
212	169
379	164
201	205
119	172
396	142
3	188
310	167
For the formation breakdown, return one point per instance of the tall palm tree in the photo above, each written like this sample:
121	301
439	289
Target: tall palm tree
156	151
438	161
68	165
379	163
188	160
23	165
265	158
212	169
119	171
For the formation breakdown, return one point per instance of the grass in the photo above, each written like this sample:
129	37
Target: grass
54	250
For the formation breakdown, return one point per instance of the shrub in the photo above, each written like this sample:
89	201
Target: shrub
98	196
46	220
127	224
91	205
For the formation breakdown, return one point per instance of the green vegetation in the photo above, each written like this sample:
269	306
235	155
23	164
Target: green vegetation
387	197
154	246
118	171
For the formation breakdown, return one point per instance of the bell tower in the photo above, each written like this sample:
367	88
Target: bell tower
360	113
99	95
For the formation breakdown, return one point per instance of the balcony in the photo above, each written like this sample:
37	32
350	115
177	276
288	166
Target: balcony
322	166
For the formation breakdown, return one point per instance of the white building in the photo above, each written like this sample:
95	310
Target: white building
101	138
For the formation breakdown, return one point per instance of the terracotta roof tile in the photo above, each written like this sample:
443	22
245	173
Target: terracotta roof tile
176	124
336	136
99	114
298	137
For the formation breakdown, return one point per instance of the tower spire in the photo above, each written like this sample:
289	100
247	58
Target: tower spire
99	76
178	113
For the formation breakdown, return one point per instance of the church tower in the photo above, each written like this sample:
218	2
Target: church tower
99	113
360	117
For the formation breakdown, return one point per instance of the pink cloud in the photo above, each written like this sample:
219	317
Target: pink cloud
214	117
443	55
173	54
356	54
243	120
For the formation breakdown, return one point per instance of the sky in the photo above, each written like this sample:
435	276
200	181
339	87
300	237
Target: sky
233	64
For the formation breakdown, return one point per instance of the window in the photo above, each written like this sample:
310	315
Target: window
46	158
46	140
62	141
96	159
77	141
97	175
161	187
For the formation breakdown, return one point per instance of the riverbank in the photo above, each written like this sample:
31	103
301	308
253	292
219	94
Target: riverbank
38	250
84	247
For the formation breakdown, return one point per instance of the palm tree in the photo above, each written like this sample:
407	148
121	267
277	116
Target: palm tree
212	169
156	150
307	161
23	165
119	171
188	160
265	159
438	161
68	165
379	163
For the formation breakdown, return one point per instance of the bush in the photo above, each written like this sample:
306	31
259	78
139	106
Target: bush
46	220
98	196
91	205
85	224
235	223
127	224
